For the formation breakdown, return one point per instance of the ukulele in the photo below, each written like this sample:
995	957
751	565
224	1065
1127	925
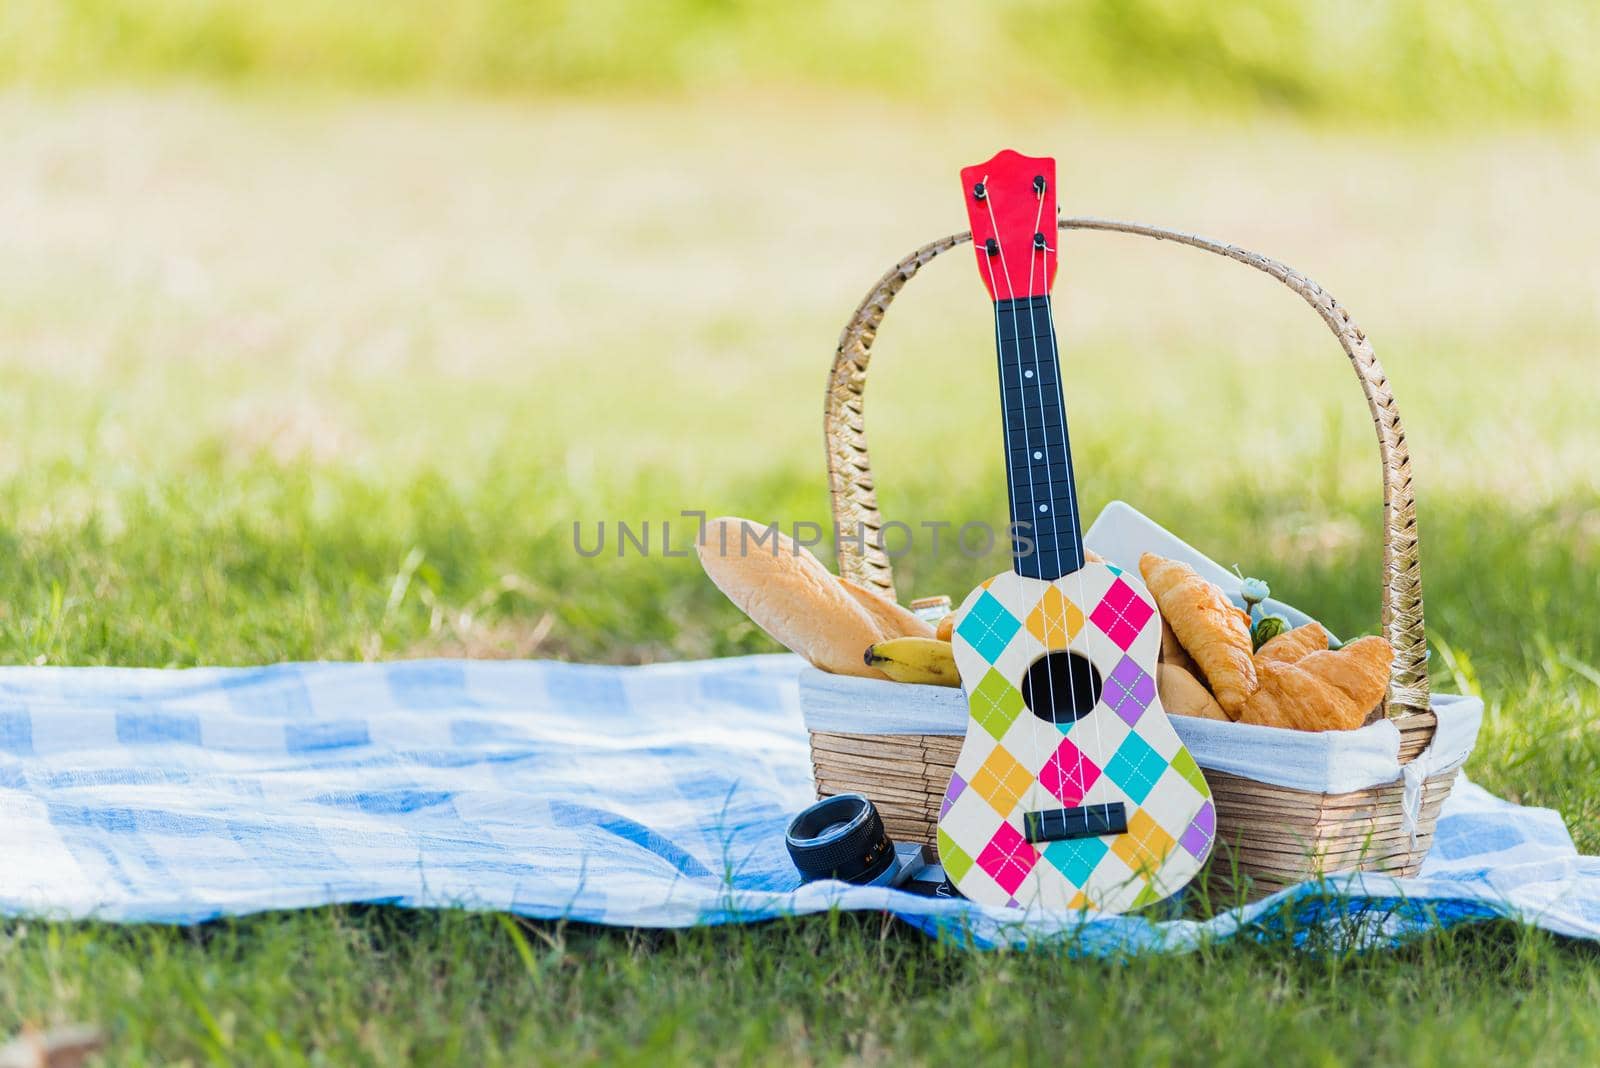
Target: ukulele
1072	790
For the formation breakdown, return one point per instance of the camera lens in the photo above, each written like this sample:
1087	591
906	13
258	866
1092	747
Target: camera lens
842	837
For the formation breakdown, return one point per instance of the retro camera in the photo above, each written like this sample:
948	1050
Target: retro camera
843	837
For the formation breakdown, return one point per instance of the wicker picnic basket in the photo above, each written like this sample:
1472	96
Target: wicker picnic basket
1268	836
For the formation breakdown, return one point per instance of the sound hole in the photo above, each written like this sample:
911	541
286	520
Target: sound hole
1061	687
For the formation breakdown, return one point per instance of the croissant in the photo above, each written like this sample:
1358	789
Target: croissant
1210	628
1183	695
1292	645
1327	690
1172	651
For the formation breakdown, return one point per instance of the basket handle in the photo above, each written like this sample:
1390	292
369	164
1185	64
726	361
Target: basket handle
855	503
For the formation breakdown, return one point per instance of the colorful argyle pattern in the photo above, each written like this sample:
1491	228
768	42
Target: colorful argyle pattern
1124	750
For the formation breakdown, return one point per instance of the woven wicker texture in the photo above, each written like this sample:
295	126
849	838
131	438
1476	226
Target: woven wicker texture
1272	844
1268	837
855	502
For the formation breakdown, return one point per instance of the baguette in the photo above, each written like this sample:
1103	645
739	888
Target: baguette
790	595
893	621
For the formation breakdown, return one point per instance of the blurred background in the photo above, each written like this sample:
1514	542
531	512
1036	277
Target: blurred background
1402	60
322	323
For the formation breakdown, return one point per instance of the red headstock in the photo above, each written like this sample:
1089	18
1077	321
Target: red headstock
1007	218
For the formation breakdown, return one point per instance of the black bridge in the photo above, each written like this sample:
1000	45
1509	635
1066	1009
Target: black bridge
1086	821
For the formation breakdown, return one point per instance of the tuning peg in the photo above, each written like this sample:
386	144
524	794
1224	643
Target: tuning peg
979	191
1038	241
992	247
1038	185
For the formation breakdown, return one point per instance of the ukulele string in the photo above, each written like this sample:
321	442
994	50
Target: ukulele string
1072	683
1066	630
1016	341
1005	415
1089	642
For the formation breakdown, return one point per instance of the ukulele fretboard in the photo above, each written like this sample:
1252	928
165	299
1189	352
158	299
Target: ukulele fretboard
1044	497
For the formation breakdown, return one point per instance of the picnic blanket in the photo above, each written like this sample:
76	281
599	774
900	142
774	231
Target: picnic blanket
650	796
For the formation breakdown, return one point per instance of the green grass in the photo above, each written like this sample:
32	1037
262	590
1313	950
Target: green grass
383	987
290	380
1411	61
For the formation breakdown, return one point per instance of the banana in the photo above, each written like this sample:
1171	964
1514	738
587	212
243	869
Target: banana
928	661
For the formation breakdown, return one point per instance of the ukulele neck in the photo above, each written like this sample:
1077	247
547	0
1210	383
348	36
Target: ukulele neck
1043	493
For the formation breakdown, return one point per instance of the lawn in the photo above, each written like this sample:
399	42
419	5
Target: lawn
294	377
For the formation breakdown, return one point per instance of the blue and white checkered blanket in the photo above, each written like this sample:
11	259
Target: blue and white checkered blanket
652	796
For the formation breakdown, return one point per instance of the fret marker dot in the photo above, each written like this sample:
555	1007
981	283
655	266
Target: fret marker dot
1044	508
1027	374
1038	455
